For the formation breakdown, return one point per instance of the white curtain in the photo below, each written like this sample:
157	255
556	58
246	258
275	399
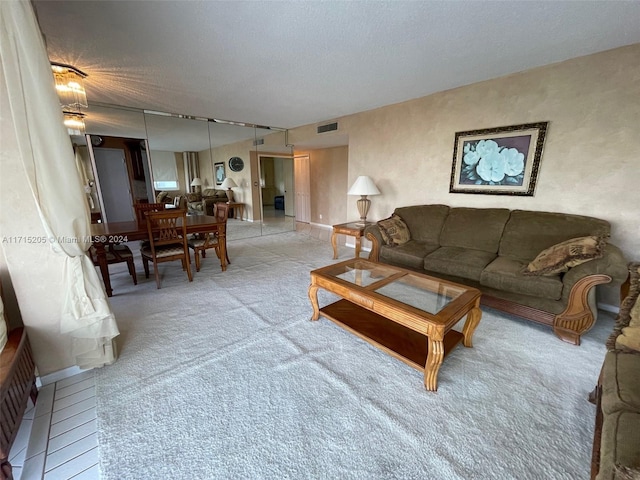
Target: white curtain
50	170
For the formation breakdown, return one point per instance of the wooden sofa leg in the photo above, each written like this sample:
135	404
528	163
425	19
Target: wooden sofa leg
578	318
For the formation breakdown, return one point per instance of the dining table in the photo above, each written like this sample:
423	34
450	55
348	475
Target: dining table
106	233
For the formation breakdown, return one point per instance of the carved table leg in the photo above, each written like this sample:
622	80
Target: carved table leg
334	244
434	360
313	296
358	246
473	319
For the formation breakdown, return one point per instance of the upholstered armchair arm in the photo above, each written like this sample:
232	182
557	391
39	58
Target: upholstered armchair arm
372	232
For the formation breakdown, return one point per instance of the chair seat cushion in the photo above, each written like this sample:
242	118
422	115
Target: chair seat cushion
199	242
162	252
458	261
505	274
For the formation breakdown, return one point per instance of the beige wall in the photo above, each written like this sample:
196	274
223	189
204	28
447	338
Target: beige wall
328	174
589	165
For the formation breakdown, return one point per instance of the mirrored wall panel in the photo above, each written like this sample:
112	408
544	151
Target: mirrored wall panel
189	162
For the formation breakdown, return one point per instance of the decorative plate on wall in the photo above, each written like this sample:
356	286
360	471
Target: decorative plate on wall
236	164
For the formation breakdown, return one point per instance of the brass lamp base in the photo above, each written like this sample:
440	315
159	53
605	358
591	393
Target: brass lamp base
363	205
229	193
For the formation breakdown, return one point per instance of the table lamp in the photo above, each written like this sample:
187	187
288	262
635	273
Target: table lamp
228	183
197	183
363	186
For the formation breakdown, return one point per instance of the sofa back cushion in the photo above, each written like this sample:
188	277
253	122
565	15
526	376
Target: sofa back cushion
424	221
528	233
475	228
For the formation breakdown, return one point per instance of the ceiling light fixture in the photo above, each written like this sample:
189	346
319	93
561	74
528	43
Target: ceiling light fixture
70	86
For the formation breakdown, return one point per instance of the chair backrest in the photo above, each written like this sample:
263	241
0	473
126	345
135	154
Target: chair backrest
167	227
221	212
141	208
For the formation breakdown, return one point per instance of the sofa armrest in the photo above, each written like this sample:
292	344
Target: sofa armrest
612	264
372	232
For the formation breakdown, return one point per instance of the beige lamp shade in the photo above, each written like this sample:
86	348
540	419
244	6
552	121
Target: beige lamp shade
363	186
196	182
228	183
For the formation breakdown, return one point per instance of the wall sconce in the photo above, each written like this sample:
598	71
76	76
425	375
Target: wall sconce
70	86
74	121
363	186
228	183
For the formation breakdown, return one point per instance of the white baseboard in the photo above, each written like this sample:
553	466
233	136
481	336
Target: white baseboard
609	308
321	225
59	375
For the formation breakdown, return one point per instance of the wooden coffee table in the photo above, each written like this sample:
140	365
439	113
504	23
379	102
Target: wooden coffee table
406	314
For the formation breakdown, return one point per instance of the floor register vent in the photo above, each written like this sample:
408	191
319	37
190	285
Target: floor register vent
329	127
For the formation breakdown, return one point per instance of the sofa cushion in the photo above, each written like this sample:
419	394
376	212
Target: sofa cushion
394	231
424	221
619	444
527	233
475	228
410	254
459	262
560	257
506	274
620	382
194	197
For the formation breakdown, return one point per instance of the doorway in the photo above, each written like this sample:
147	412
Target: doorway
113	177
276	193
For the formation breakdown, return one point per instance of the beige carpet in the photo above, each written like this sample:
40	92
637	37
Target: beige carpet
227	378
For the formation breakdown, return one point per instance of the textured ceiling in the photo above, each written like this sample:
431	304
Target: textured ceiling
293	63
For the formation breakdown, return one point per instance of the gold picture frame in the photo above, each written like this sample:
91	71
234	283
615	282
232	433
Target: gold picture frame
498	161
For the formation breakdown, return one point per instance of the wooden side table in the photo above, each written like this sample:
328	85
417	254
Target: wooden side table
353	229
238	208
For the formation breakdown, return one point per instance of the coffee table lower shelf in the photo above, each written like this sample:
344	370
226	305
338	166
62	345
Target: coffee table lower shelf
402	343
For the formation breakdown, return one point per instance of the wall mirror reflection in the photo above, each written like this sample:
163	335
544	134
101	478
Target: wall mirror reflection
175	158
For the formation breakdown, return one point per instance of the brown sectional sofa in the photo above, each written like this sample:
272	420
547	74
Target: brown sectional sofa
616	452
488	248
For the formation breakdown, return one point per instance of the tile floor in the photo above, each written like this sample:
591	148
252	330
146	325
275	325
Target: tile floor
58	437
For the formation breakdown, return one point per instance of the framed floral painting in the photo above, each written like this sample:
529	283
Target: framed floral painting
498	161
218	171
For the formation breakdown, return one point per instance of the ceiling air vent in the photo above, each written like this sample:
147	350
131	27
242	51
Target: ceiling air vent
260	141
329	127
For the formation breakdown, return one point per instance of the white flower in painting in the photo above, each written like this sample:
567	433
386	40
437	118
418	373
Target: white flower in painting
514	161
471	158
485	148
491	167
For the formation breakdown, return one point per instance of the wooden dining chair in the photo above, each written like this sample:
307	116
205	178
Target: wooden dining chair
141	208
202	242
167	232
116	254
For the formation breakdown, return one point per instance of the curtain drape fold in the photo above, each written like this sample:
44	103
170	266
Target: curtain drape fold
50	169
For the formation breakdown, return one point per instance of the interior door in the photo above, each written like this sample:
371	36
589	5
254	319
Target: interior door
287	173
302	193
115	189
